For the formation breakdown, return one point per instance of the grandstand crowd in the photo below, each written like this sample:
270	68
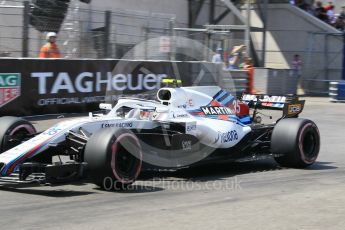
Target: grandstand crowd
325	13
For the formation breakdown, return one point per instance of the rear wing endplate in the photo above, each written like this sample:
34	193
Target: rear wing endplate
290	105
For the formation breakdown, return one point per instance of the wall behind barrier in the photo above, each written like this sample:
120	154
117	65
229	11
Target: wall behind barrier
36	86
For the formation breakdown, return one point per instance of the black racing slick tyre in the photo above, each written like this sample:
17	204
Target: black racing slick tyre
296	142
114	158
13	131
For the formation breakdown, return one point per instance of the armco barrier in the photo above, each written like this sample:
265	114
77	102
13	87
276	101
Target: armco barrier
337	91
38	86
275	81
317	87
238	81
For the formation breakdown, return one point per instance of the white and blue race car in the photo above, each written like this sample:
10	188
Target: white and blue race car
185	126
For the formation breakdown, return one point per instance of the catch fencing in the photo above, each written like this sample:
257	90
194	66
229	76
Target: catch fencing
85	32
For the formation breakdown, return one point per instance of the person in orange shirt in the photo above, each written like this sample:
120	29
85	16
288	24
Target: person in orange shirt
248	66
50	50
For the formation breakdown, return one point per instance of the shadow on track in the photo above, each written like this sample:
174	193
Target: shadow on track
39	192
152	181
222	171
322	166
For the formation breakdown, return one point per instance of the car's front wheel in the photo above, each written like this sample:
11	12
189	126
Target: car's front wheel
13	131
114	158
296	142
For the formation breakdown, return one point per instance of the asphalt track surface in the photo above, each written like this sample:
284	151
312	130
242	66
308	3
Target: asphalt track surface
255	195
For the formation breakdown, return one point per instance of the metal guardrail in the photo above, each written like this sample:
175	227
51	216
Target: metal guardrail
275	81
280	82
337	91
238	81
320	87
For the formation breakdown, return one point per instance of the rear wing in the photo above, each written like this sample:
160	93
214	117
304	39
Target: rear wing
290	105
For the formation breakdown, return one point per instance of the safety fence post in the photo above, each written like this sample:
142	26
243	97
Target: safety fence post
107	25
343	75
25	32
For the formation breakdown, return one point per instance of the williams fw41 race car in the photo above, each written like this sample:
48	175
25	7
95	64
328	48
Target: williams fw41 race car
185	126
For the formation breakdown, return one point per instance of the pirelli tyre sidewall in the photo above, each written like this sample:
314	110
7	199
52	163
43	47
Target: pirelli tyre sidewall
14	127
297	141
114	158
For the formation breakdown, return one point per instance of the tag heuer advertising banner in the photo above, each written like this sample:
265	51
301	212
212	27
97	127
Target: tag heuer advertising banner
9	87
37	86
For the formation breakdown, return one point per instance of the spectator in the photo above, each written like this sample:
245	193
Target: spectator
302	4
296	66
50	49
320	12
339	23
249	67
310	9
342	13
217	57
324	13
330	15
236	56
329	6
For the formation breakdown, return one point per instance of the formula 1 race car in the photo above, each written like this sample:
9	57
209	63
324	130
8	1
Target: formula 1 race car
186	126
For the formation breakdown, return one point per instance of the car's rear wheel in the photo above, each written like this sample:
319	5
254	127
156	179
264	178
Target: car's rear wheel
296	142
13	131
114	158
